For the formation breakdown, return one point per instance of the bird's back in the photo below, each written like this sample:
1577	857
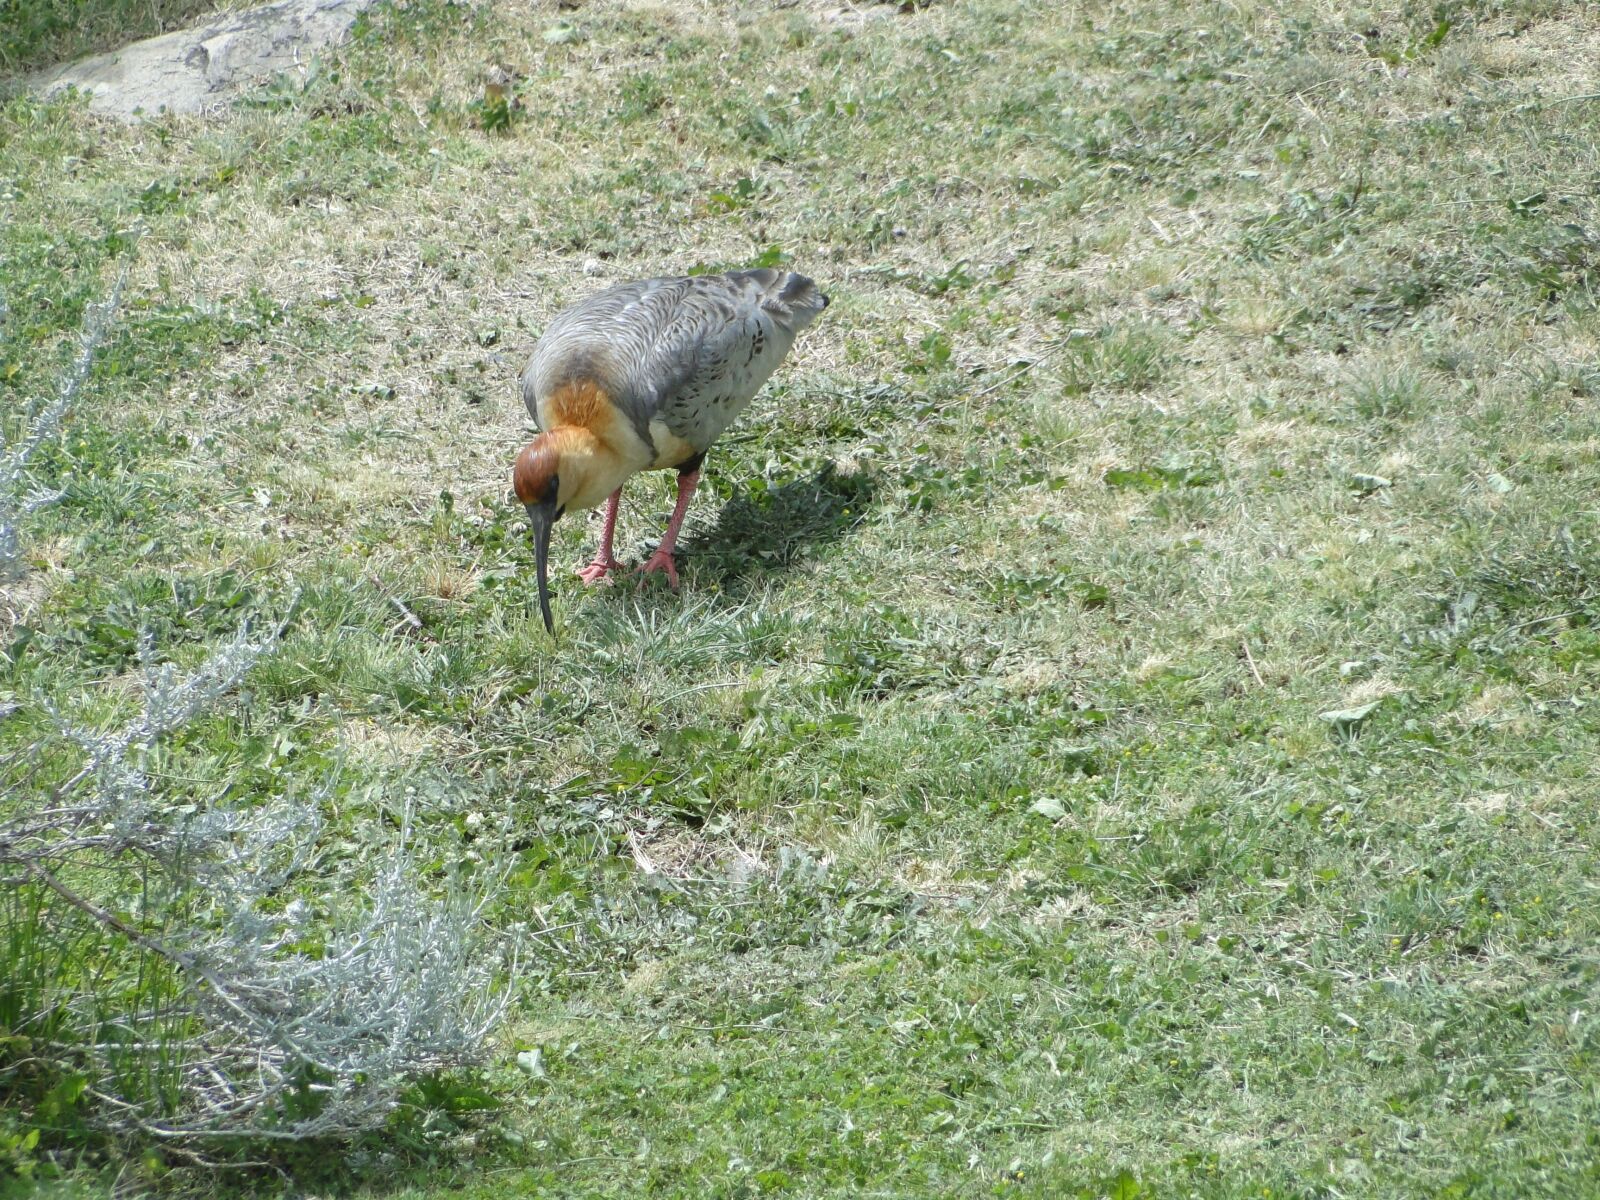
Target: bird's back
680	357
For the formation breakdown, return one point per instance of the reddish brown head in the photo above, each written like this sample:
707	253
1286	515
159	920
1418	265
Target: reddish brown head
567	466
537	482
534	476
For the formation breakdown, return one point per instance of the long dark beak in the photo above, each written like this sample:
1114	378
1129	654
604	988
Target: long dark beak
541	517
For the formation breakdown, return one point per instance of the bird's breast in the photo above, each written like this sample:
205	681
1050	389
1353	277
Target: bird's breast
671	450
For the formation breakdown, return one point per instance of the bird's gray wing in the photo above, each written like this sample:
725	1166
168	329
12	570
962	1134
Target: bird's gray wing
688	352
728	335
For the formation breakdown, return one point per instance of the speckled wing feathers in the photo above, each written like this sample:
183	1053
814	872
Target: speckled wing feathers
686	354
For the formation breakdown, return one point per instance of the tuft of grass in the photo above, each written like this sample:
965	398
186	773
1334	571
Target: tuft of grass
1121	357
1389	394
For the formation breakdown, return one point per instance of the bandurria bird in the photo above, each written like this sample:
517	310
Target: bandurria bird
642	376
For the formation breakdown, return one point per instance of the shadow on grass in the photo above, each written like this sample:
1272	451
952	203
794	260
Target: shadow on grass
769	528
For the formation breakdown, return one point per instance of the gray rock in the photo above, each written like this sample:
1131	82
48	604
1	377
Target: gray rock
198	69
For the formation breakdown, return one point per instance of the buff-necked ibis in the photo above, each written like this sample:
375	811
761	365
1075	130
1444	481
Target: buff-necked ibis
643	376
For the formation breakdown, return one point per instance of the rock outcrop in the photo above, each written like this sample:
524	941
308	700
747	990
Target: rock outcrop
202	68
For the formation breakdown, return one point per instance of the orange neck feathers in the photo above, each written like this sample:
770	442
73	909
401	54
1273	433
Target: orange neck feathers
582	403
581	450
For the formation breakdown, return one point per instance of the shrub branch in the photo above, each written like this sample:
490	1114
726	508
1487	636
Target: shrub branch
16	500
277	1043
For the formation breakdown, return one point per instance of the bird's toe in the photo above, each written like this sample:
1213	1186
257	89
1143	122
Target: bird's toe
597	570
663	563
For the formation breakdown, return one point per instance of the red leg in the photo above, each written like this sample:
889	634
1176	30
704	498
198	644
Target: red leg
661	560
603	562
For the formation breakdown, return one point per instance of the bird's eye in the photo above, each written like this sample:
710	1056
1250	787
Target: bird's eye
553	489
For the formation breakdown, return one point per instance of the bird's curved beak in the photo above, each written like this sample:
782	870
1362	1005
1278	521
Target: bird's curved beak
541	517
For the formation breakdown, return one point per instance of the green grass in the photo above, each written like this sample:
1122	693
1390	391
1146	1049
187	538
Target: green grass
40	33
970	824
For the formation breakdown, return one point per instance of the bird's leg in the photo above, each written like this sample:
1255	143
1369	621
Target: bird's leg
661	560
603	562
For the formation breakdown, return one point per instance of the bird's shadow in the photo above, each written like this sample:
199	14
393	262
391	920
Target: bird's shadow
766	528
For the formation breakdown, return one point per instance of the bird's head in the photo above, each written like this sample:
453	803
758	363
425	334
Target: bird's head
538	483
564	469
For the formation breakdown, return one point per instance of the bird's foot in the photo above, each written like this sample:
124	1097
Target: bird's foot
660	561
602	566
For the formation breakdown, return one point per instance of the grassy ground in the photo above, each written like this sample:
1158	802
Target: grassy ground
38	33
1129	725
